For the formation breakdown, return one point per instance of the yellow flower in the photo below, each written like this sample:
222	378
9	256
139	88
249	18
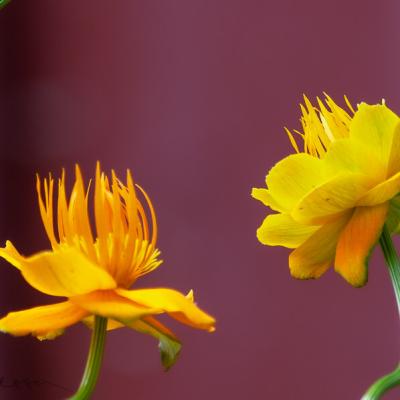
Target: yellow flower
95	273
334	197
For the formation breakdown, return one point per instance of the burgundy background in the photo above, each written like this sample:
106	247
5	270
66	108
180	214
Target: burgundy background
192	96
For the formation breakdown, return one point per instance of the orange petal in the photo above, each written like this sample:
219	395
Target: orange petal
172	302
64	271
109	304
11	254
44	322
111	324
152	326
357	241
144	325
316	254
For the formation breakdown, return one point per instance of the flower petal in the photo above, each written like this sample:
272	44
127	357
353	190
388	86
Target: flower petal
382	192
326	201
152	326
109	304
294	176
316	254
350	155
374	126
394	156
44	321
11	254
111	323
172	302
356	242
146	324
62	272
265	197
283	230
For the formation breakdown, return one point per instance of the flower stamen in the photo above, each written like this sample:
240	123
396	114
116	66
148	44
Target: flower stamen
321	125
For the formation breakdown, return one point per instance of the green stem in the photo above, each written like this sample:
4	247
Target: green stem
94	360
392	379
382	385
392	261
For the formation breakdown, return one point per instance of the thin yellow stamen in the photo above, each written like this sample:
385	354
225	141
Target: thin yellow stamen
125	243
100	218
82	223
46	208
321	125
153	216
292	140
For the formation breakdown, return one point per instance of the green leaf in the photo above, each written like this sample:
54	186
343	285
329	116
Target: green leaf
3	3
169	350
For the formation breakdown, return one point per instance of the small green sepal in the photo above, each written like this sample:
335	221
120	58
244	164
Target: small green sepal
169	351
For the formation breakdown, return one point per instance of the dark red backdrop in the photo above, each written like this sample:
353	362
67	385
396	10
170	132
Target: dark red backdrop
192	96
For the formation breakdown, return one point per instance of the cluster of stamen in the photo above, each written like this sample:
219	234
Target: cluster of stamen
125	242
321	125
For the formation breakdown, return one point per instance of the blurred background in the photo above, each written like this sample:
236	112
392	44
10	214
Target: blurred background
192	96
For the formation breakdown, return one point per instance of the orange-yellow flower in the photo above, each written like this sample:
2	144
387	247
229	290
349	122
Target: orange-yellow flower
334	196
95	273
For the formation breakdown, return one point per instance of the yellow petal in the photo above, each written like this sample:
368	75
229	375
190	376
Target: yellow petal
294	176
356	242
265	197
111	324
374	126
61	272
382	192
147	324
43	321
172	302
109	304
316	254
326	201
394	156
151	326
350	155
283	230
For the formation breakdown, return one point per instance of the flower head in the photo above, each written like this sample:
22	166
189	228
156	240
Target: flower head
95	273
333	197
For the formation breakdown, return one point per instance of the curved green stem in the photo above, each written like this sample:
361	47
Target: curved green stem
94	360
392	261
392	379
382	385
